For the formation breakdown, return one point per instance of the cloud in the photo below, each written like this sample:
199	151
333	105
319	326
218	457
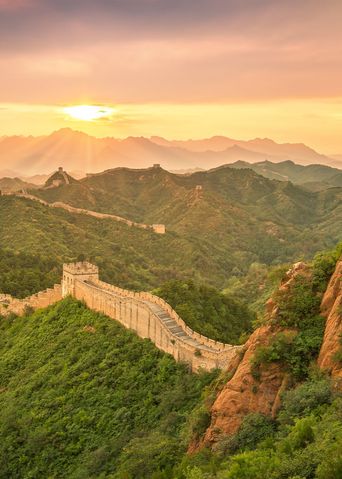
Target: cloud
15	4
169	50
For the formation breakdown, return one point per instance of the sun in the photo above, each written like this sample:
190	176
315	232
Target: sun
89	112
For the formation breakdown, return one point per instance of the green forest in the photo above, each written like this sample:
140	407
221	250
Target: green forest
139	259
207	311
83	398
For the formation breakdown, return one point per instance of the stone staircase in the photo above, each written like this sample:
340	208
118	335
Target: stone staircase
174	328
164	317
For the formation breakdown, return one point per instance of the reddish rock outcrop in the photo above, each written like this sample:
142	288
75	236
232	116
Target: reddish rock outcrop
245	394
331	308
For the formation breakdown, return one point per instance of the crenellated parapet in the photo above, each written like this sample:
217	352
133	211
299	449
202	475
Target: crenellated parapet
80	268
45	298
146	314
149	316
81	271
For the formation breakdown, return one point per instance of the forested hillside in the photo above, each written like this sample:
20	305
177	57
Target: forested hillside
154	195
315	176
23	273
236	219
82	397
244	213
129	257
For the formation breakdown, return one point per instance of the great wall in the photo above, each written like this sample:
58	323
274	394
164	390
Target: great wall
146	314
156	228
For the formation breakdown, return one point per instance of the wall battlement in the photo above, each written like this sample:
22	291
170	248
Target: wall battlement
43	299
82	271
156	228
149	316
80	268
146	314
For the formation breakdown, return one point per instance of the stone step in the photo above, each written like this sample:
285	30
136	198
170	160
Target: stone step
170	323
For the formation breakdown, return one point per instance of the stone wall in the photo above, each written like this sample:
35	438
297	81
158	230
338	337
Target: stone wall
148	315
39	300
157	228
217	345
135	310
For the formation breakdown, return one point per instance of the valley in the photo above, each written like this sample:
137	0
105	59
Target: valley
218	223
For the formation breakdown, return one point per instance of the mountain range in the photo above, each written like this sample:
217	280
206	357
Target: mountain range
313	177
27	156
233	215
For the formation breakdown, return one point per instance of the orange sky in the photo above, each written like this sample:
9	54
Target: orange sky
175	68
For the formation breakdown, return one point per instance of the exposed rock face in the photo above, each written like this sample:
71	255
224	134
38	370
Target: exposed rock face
244	394
331	308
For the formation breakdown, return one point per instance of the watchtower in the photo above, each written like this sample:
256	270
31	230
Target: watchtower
73	272
160	229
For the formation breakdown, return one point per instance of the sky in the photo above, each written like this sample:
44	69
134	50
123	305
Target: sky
175	68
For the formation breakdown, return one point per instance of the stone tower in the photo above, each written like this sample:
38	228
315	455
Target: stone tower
77	271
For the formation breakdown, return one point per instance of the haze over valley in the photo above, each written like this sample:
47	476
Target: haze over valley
79	152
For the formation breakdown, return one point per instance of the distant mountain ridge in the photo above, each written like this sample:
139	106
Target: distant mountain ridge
313	177
8	185
78	151
259	145
235	209
218	222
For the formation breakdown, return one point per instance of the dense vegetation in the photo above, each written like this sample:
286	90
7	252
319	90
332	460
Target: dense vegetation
215	239
241	216
82	397
304	442
23	274
129	257
299	340
256	286
207	311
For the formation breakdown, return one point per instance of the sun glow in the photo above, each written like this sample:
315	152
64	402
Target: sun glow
89	112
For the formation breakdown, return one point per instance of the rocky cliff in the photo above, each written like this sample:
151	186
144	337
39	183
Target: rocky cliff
247	393
331	309
244	394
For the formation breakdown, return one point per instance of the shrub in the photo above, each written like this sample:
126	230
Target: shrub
254	428
304	399
293	350
323	267
200	421
297	303
207	310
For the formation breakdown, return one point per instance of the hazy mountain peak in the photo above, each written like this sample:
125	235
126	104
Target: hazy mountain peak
78	151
